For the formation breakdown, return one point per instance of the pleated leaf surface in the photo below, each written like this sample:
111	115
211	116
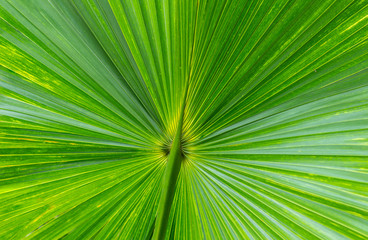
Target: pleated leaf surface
275	132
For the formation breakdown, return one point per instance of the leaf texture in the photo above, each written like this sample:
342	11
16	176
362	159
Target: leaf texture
274	132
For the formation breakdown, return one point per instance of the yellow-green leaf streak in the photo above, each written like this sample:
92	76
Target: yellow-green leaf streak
169	180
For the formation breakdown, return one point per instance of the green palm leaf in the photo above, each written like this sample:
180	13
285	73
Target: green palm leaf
183	119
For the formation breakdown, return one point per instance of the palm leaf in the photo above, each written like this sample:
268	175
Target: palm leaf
183	119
